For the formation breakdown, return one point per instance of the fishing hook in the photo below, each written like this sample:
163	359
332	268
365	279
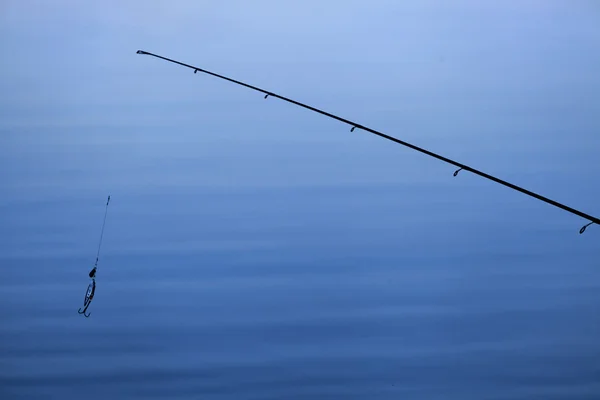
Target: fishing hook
83	312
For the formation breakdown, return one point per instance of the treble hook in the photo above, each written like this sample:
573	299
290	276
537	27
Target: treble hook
83	312
585	226
352	130
456	172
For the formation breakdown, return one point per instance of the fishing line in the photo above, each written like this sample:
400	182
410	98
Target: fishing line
102	231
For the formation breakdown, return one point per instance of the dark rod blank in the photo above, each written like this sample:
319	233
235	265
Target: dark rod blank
393	139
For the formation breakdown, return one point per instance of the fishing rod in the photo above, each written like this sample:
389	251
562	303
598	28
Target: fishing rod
355	125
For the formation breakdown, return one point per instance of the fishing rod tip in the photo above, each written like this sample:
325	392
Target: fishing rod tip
141	52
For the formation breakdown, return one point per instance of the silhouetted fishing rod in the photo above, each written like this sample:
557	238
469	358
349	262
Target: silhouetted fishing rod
354	125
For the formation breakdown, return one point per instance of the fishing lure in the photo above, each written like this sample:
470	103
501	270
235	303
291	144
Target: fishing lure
89	294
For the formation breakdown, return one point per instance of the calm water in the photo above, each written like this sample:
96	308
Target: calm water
255	250
236	282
